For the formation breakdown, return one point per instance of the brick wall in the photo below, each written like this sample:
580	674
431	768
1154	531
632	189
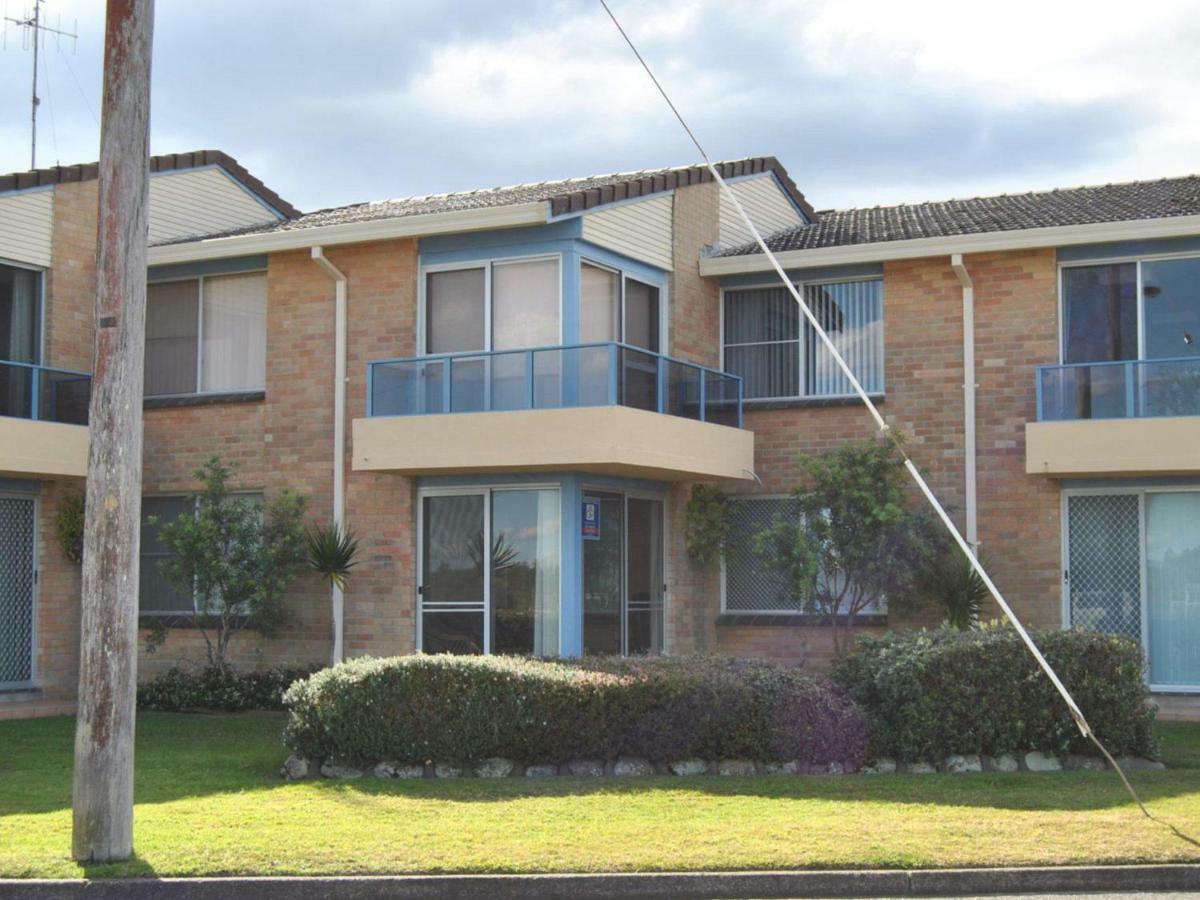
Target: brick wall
1016	329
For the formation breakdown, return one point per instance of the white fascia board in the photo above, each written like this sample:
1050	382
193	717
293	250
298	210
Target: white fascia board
353	233
1059	236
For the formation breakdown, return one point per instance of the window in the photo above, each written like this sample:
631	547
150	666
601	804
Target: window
206	335
749	586
20	318
779	355
157	595
1145	309
503	305
616	308
20	337
490	572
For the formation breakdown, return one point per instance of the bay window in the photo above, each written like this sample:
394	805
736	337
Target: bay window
767	341
206	335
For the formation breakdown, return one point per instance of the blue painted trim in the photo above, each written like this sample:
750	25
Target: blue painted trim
1124	249
29	190
500	242
19	486
1151	482
229	266
570	622
821	273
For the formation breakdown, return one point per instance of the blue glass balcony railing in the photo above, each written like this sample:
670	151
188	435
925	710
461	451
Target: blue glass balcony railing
1130	389
600	374
30	391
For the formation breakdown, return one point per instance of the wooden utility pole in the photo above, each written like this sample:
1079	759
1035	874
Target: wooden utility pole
103	790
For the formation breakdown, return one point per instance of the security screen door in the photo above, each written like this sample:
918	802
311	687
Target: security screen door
16	591
1133	568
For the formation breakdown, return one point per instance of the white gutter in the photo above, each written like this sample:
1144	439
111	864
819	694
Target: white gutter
969	466
1059	236
353	232
339	434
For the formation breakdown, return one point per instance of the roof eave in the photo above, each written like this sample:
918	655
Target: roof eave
916	248
515	215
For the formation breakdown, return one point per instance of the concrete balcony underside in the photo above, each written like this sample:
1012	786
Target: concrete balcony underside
36	449
1125	447
611	440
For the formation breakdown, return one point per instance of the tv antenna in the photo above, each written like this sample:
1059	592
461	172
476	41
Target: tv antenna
33	34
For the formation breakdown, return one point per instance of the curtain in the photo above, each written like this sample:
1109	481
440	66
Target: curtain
600	304
23	317
454	315
234	333
525	304
1173	587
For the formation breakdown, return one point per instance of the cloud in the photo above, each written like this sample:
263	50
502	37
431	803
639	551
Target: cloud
864	102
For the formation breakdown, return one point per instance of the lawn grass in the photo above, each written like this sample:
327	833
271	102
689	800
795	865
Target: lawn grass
210	802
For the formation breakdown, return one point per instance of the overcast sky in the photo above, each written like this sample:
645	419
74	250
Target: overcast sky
864	102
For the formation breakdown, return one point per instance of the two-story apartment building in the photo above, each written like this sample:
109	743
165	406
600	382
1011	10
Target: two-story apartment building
508	393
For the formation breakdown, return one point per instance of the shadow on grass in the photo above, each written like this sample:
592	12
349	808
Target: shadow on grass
134	867
182	756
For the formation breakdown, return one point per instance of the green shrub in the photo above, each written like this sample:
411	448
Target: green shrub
216	687
928	694
460	709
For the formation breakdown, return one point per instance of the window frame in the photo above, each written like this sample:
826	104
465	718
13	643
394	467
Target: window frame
40	272
168	495
801	354
1137	260
486	490
485	263
199	391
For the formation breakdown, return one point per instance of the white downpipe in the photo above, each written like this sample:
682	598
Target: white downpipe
969	453
339	434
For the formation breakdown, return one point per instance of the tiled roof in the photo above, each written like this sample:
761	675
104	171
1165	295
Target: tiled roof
19	181
565	196
1160	199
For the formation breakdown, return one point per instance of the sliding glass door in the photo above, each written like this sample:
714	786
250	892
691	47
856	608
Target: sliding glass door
623	576
1133	568
489	578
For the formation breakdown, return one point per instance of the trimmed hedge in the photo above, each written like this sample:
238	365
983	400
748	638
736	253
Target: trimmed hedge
463	709
218	688
928	694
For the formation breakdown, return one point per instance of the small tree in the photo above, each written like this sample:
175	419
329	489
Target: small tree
855	541
236	556
949	579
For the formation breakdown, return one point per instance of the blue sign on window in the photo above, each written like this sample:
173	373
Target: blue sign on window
591	520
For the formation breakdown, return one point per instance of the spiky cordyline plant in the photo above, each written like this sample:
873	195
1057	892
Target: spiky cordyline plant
332	552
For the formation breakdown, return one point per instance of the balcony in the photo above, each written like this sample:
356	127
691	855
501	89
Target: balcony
608	408
1135	417
43	421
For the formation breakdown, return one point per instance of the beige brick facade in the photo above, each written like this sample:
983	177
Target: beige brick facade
282	440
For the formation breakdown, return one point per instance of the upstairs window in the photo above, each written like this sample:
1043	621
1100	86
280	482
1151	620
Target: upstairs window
206	335
20	314
767	341
502	305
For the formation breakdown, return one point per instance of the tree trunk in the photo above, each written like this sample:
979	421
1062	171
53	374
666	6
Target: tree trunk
103	789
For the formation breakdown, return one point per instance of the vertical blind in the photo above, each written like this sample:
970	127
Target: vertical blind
207	335
235	333
777	354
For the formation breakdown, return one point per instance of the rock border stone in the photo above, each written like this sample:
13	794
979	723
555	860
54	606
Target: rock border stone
297	768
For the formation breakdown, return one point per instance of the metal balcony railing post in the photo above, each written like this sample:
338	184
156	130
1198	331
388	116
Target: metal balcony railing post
1130	393
613	373
34	393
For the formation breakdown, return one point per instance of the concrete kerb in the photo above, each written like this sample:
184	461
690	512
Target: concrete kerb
650	886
